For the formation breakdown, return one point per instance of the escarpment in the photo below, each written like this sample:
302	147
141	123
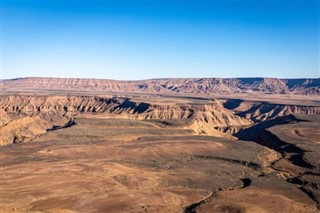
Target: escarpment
65	105
82	144
28	128
171	86
24	118
263	111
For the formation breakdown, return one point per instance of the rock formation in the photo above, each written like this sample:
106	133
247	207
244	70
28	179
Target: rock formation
172	86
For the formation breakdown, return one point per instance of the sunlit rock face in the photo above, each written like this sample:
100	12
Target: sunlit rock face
174	145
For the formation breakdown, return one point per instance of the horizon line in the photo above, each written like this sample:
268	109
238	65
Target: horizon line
167	78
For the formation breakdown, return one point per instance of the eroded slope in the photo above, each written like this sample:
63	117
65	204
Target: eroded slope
81	169
27	117
171	86
97	154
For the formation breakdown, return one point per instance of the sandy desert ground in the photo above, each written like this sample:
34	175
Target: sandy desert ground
103	151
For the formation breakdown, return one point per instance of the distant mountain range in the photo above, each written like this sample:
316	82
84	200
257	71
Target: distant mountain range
170	85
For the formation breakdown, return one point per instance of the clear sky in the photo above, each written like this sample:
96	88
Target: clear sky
145	39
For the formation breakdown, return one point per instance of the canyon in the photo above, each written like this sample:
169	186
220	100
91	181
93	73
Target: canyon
174	145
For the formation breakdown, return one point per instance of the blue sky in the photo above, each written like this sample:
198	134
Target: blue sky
130	40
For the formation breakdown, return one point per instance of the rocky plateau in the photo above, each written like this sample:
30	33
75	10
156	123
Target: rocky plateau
164	145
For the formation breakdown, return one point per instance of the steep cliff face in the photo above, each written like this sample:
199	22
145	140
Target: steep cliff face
260	111
29	127
73	105
25	117
70	105
211	118
264	112
172	86
303	86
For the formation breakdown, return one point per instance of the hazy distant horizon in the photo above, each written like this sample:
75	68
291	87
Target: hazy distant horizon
317	78
132	40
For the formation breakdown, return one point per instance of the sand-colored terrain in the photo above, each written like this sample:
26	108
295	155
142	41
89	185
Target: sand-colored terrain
160	152
80	169
171	86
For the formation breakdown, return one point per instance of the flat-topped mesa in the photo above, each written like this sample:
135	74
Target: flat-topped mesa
170	86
